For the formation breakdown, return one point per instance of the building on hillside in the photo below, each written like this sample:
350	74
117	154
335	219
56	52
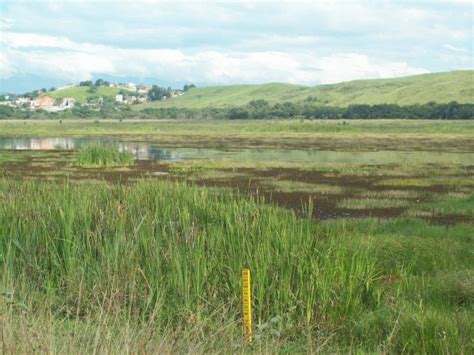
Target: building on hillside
119	98
43	102
34	104
176	93
23	100
131	99
68	102
144	89
142	99
132	87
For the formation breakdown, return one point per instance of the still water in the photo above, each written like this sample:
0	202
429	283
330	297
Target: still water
144	150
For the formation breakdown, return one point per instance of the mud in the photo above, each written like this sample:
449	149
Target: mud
250	181
447	219
324	206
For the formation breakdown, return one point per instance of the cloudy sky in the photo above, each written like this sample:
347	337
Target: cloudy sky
46	43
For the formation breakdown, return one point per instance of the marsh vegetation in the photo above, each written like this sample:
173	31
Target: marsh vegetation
102	156
345	256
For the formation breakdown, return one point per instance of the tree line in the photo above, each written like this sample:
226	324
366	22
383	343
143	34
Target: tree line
260	109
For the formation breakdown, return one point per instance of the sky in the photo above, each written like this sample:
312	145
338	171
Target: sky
171	43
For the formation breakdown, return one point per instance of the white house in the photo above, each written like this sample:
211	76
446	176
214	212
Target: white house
132	87
23	100
144	89
119	98
68	102
131	99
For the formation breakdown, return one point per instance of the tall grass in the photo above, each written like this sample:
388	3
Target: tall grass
102	156
108	266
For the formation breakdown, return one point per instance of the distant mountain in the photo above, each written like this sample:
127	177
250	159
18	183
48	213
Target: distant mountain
20	84
418	89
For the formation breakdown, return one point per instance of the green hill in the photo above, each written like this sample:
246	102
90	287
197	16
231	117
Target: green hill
418	89
82	94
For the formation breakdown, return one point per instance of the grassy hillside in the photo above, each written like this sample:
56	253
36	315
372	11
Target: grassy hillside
81	93
417	89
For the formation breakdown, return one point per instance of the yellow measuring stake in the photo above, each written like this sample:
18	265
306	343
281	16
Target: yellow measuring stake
246	305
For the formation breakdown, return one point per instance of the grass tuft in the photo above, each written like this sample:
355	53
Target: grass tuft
102	156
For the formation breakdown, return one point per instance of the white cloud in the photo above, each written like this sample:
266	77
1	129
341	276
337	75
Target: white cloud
6	23
455	49
62	58
345	67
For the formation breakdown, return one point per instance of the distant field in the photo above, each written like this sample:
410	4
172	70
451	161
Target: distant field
418	89
81	93
301	134
378	127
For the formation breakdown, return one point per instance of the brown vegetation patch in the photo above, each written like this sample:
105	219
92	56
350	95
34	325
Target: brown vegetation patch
447	220
248	180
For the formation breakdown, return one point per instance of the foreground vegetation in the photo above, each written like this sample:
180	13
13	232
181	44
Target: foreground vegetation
155	266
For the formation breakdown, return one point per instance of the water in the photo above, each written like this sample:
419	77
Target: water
151	150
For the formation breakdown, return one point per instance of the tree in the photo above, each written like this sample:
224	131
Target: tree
187	87
85	83
6	112
259	108
100	82
107	109
237	113
157	93
82	111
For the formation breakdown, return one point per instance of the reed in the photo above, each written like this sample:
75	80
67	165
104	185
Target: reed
102	156
156	267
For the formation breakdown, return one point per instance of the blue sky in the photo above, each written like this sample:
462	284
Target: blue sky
46	43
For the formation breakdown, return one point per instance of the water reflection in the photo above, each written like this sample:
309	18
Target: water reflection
151	150
140	151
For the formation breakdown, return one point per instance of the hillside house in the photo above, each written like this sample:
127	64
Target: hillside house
43	102
119	98
68	102
23	100
144	89
131	99
7	103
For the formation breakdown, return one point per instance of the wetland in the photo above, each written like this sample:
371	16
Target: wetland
353	226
